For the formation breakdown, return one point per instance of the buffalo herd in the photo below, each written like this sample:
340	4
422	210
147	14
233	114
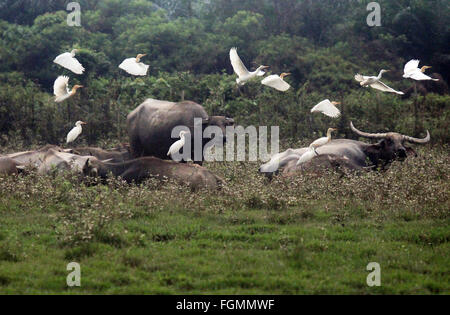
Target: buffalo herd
150	133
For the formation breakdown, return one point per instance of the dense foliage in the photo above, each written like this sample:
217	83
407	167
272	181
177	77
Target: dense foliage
322	43
308	234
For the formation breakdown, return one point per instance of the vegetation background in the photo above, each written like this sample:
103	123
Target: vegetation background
298	235
322	43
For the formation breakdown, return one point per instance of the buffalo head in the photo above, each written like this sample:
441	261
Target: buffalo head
219	121
391	147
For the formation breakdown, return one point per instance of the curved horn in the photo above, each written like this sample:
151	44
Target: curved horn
368	135
418	141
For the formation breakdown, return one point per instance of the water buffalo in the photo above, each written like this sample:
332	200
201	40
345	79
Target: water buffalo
54	160
150	125
34	158
115	156
8	166
322	163
391	146
144	168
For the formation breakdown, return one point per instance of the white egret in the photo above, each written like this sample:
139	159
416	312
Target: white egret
75	132
307	156
241	70
68	61
61	89
277	82
375	83
412	71
311	153
134	66
327	108
176	147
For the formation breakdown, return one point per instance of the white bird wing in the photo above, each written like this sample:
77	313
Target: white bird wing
411	66
383	87
361	78
67	61
176	147
73	134
238	66
61	86
327	108
132	67
276	82
307	156
420	76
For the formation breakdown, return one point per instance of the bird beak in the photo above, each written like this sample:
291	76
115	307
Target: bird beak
265	67
337	103
83	123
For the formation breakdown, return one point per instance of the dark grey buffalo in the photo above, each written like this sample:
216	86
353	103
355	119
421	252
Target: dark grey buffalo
150	125
391	146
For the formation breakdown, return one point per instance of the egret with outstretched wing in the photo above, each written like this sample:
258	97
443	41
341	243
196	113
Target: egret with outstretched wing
241	70
68	61
134	66
375	83
277	82
61	89
327	108
412	71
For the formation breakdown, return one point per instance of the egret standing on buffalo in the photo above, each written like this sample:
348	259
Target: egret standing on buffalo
75	132
309	155
68	61
277	82
412	71
375	83
61	89
241	70
134	66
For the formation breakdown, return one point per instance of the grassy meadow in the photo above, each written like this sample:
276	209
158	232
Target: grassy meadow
308	234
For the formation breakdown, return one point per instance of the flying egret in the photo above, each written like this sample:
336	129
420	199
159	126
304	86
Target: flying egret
412	71
241	70
68	61
134	66
75	132
327	108
61	89
311	153
277	82
176	147
375	83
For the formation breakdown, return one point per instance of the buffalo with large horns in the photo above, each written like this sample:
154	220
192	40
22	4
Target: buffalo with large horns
391	146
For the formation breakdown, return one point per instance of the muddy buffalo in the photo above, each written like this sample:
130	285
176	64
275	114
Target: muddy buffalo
8	166
140	169
391	146
150	125
116	155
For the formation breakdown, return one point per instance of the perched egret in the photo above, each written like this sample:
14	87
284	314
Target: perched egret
311	153
75	132
327	108
307	156
61	89
412	71
375	83
134	66
241	70
68	61
176	147
277	82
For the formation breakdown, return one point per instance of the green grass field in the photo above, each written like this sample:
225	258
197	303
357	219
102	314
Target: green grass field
303	235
